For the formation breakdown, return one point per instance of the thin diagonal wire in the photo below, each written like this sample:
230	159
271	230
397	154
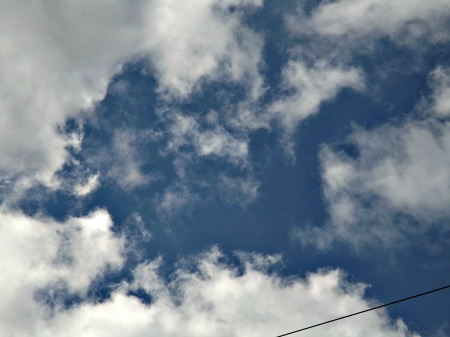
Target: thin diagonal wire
363	311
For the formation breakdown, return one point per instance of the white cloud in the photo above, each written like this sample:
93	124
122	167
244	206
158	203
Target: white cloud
192	40
173	200
190	138
211	140
400	176
39	254
403	20
124	163
440	82
215	300
57	59
400	171
90	186
309	88
43	261
227	139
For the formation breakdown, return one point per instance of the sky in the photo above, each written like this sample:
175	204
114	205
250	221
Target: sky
224	168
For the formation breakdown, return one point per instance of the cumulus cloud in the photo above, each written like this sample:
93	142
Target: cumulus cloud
193	40
398	185
400	171
207	297
41	254
57	59
219	301
342	31
330	36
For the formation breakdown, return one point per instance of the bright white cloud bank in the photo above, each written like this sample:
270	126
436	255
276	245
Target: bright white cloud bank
42	261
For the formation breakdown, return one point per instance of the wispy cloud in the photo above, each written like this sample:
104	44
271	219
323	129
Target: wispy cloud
364	21
397	185
309	87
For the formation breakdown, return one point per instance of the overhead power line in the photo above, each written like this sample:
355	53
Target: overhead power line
363	311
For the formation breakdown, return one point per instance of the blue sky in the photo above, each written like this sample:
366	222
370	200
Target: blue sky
224	167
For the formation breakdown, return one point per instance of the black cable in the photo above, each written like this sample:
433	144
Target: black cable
361	312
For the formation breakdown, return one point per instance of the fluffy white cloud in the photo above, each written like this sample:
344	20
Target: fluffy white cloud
44	261
399	171
57	58
400	176
212	299
192	40
41	254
